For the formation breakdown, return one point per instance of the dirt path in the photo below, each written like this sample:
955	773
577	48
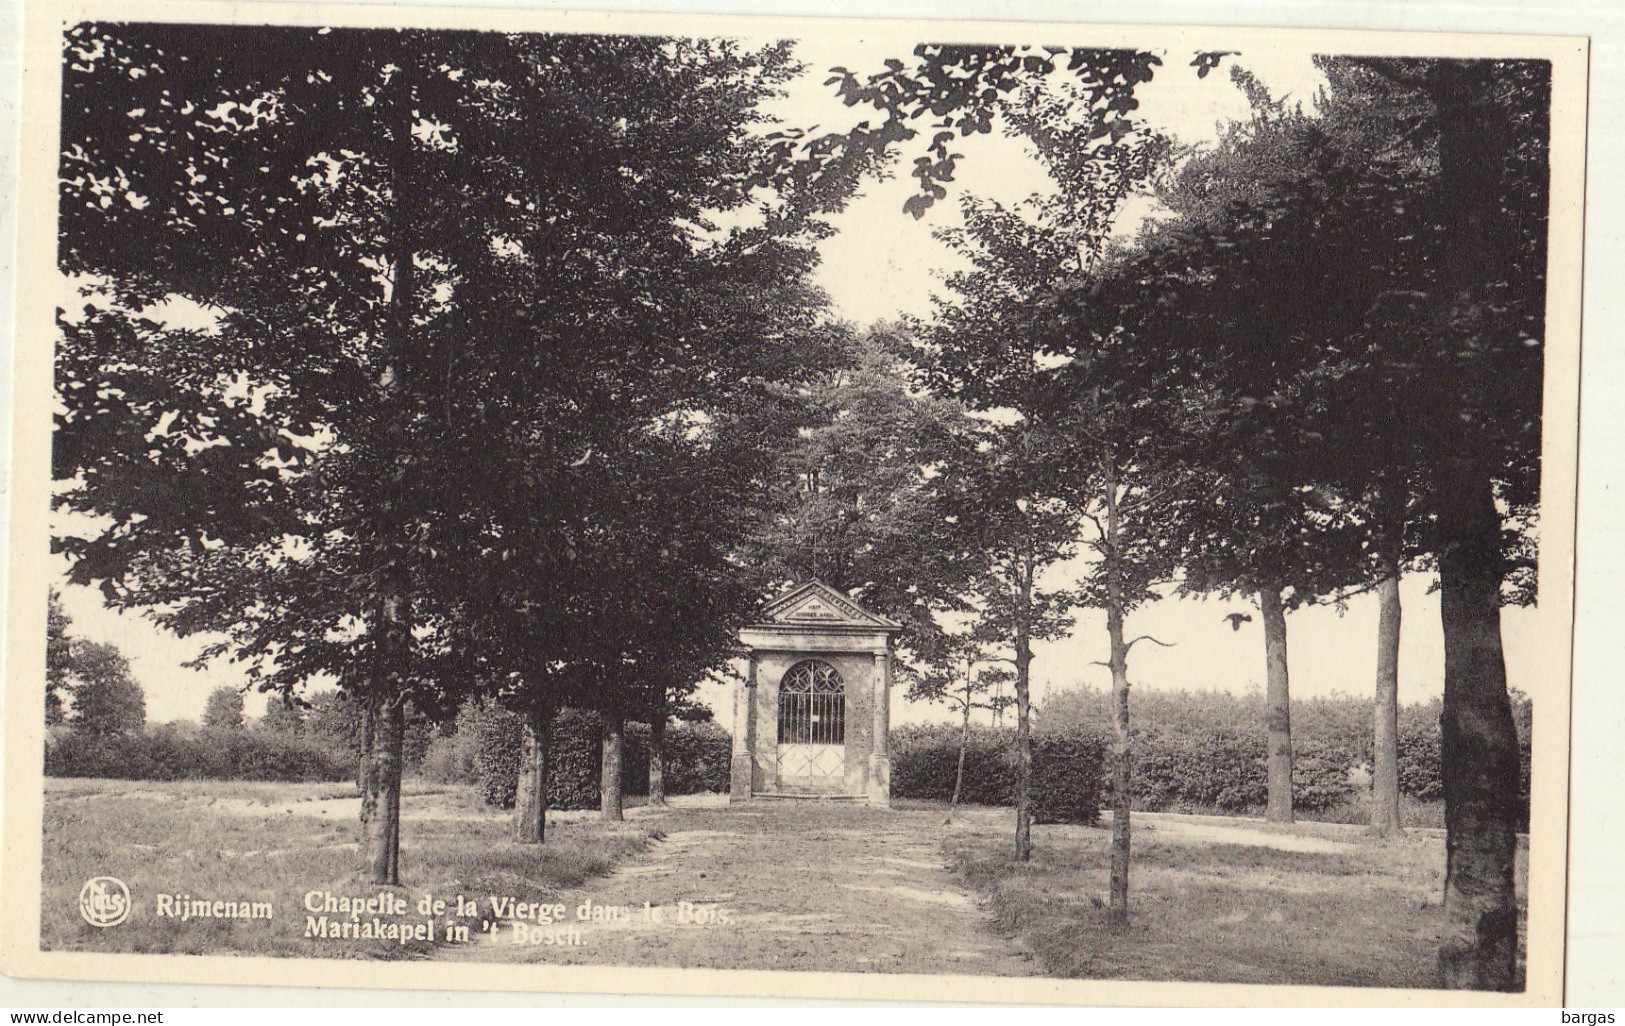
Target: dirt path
784	885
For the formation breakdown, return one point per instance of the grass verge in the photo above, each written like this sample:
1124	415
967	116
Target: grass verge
1220	903
276	843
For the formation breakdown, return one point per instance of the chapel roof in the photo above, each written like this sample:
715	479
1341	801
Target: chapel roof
812	603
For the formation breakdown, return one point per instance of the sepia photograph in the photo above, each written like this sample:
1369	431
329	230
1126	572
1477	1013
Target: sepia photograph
584	502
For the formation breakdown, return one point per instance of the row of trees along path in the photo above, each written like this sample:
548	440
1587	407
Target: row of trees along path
503	377
1323	369
482	383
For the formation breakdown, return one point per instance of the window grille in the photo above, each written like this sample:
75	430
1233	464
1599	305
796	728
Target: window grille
812	705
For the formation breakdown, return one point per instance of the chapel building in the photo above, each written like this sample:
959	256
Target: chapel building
812	715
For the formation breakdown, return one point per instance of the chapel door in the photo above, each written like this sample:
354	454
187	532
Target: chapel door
812	728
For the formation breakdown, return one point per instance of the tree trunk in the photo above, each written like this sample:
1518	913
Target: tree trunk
526	800
1479	744
381	829
1122	770
1385	735
657	759
1024	740
369	792
609	800
1122	796
1277	705
384	718
1479	749
964	743
530	808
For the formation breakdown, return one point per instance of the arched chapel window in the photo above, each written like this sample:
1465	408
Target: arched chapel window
812	705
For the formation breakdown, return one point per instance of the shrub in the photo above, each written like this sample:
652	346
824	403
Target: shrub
1066	782
419	735
166	753
106	698
924	760
224	708
1321	765
487	744
1067	776
453	755
1197	751
698	757
1195	770
1419	764
576	761
499	745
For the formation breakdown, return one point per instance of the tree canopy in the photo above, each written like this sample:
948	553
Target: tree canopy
480	371
224	709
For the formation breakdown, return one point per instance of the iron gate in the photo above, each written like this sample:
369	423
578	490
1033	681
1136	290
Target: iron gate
812	726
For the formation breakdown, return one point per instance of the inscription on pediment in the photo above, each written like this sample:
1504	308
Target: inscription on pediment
814	609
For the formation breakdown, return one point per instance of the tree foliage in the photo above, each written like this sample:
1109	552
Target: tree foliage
955	92
1362	294
106	697
1078	401
856	499
224	709
1364	316
476	352
88	684
58	659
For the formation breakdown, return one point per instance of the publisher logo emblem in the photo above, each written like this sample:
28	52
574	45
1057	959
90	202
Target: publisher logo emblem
104	901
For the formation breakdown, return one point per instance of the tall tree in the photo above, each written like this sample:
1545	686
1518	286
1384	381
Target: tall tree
853	498
1255	523
224	709
1483	315
1014	534
1005	507
1370	228
1433	282
58	659
106	698
1067	380
428	335
282	717
1248	526
1429	188
1018	505
1115	411
1131	485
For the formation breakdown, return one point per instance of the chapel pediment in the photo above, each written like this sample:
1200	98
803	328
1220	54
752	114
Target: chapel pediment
816	604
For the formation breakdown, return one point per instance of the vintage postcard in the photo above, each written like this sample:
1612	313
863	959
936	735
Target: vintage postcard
920	510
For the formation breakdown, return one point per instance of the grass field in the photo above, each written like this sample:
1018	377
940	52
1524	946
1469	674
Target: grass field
1220	900
822	886
252	842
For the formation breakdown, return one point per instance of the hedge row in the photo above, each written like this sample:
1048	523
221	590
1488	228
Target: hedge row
1185	766
924	762
165	753
1225	770
1067	769
1190	770
1204	751
488	743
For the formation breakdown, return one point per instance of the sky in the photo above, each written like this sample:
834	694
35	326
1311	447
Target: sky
881	263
